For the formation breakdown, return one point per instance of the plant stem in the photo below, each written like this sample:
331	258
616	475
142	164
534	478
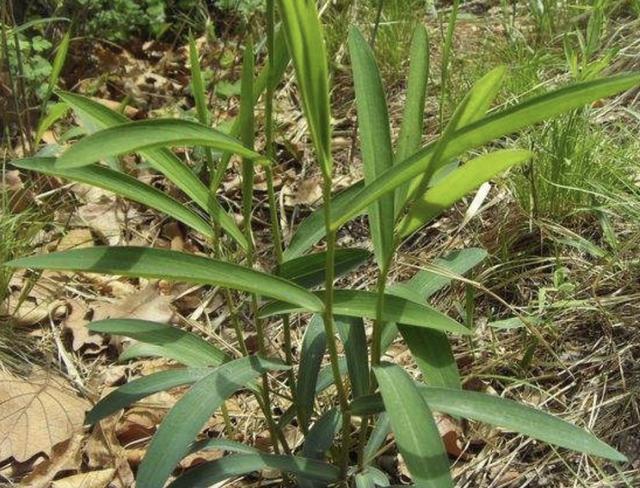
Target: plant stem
273	209
329	326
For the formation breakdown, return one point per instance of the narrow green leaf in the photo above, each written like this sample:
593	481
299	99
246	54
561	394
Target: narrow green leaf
58	63
163	161
356	303
413	117
141	350
309	270
314	344
305	41
197	84
55	113
375	140
318	441
123	185
222	445
472	107
354	339
415	429
208	474
458	184
312	229
171	265
505	414
433	355
177	344
149	134
247	133
173	438
136	390
485	130
378	435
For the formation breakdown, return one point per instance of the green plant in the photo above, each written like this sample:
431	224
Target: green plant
404	188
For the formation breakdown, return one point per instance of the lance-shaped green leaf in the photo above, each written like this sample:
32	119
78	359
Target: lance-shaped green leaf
318	440
357	303
312	229
415	430
163	161
55	113
309	271
314	344
136	390
197	83
222	445
208	474
485	130
171	265
305	41
123	185
184	421
413	117
57	65
472	107
177	344
380	431
354	339
375	140
458	184
502	413
149	134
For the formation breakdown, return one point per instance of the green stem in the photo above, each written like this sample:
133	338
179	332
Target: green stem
273	209
330	330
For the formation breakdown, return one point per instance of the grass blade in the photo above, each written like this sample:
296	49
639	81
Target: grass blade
208	474
309	271
356	303
314	344
415	429
184	421
123	185
197	83
354	339
177	344
303	32
149	134
55	113
163	161
485	130
171	265
57	65
136	390
458	184
375	137
413	117
505	414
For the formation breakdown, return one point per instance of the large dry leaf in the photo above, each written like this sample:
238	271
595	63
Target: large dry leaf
76	324
37	414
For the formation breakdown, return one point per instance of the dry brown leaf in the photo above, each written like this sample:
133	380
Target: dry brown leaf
103	449
147	304
37	414
309	191
64	457
451	434
76	324
92	479
75	239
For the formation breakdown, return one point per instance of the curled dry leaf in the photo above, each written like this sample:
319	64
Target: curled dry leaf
37	414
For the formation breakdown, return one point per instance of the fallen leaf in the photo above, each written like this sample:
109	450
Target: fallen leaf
65	456
75	239
37	414
92	479
147	304
451	434
76	324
